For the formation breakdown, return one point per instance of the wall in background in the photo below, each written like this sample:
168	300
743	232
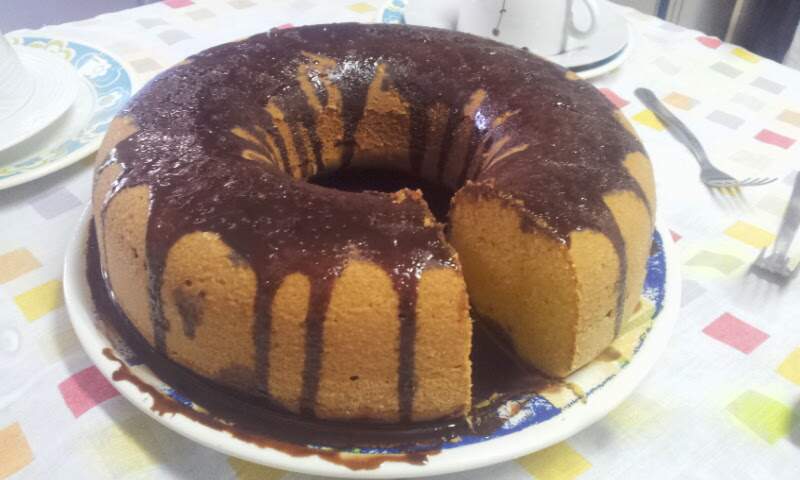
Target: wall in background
649	7
709	16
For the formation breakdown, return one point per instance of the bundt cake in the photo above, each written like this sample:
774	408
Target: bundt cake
225	253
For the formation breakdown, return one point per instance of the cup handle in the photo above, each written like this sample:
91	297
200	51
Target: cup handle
575	31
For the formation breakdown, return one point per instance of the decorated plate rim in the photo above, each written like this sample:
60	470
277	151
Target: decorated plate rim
88	140
466	456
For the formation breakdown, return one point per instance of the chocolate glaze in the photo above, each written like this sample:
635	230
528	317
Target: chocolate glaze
318	305
498	376
185	153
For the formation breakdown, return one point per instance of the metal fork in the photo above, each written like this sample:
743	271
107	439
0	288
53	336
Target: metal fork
776	265
709	174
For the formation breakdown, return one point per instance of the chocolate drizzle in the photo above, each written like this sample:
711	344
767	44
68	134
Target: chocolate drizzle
571	150
261	337
317	306
497	377
406	285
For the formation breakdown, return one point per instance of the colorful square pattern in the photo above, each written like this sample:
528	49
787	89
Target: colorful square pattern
178	3
361	7
790	367
86	389
678	100
54	202
721	262
766	417
648	119
15	453
612	97
768	85
128	447
745	55
39	301
16	263
251	471
559	462
773	138
750	234
791	117
735	333
710	42
726	69
725	119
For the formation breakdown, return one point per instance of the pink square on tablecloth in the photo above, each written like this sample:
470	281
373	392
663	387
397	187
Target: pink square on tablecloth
177	3
285	26
768	136
710	42
675	236
736	333
612	97
86	389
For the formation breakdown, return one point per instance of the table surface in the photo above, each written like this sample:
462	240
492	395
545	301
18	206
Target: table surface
723	402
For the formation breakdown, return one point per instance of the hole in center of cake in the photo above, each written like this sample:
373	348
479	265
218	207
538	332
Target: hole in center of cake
358	179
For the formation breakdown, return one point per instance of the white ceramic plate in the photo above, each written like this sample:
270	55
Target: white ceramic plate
603	52
55	87
104	86
542	421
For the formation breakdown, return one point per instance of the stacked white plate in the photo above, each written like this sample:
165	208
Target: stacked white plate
36	89
57	99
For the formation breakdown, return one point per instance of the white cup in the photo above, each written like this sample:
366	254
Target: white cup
16	87
541	26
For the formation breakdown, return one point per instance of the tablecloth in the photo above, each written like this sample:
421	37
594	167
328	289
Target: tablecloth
723	402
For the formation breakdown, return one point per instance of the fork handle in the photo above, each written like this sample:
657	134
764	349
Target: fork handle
678	129
790	222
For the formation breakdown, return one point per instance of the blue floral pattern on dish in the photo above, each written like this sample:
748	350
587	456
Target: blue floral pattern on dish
394	12
112	87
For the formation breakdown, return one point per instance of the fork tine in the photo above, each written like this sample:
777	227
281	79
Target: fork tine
756	182
719	183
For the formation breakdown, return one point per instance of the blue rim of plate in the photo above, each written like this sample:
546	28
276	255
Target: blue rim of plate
536	409
112	85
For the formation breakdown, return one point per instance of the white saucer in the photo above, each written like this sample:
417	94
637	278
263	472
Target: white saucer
103	86
603	52
55	88
545	419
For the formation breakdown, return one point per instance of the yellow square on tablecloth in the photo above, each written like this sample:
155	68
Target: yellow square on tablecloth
648	118
559	462
764	416
361	7
745	55
41	300
127	447
750	234
790	367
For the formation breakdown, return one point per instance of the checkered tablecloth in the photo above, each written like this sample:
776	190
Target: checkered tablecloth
724	402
